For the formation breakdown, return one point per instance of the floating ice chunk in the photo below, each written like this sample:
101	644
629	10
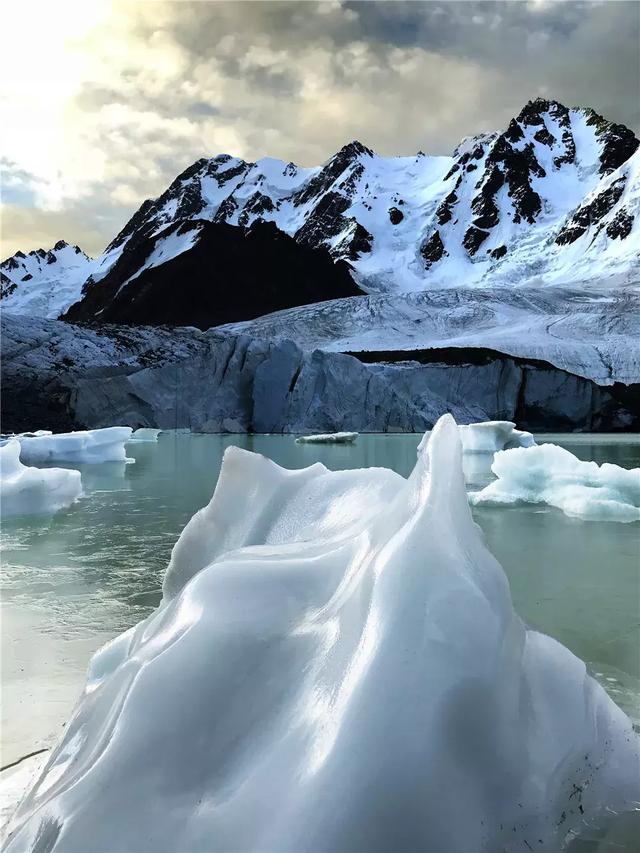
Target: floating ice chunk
145	434
337	666
84	446
491	436
328	438
552	475
30	491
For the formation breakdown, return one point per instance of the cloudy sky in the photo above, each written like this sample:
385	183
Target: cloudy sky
103	103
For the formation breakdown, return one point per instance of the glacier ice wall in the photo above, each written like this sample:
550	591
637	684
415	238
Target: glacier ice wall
336	666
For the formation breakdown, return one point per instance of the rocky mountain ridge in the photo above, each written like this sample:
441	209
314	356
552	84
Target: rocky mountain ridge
554	198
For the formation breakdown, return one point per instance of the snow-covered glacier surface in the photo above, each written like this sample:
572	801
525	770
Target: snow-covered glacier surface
81	447
593	333
337	666
551	475
25	490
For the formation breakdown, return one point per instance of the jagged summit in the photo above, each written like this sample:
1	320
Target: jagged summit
552	198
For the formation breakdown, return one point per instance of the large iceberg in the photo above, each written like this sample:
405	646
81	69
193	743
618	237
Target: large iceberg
491	436
27	491
336	666
84	446
549	474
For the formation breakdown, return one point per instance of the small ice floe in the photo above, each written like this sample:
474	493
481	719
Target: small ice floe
491	436
145	434
548	474
328	438
30	491
336	665
82	447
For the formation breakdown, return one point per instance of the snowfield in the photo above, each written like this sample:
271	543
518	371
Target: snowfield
31	491
336	665
552	475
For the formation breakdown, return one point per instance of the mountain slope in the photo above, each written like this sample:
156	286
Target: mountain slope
44	282
200	273
554	199
497	211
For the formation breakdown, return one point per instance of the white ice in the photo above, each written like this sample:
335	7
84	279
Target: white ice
336	666
551	475
491	436
328	438
84	446
145	434
30	491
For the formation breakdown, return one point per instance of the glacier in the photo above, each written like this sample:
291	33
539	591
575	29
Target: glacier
491	436
80	447
552	475
26	490
336	665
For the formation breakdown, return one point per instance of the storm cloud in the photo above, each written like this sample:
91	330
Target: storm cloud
149	87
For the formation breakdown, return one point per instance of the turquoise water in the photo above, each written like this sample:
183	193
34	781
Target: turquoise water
73	581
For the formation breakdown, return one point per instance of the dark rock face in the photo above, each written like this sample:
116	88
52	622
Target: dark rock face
618	142
620	226
228	274
433	250
499	252
395	215
591	213
70	377
473	239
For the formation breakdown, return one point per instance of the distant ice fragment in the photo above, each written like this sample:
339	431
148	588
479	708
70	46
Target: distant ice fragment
84	446
491	436
337	666
328	438
32	491
145	434
549	474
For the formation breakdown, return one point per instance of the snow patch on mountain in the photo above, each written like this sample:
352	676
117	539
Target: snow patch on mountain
44	282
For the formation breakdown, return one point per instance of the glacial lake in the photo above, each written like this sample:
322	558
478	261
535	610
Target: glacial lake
73	581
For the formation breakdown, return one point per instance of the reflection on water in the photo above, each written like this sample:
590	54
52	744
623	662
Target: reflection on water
95	569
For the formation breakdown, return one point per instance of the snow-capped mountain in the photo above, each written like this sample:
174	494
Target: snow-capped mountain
555	196
554	199
43	283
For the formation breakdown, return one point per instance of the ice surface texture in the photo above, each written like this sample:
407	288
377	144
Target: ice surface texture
337	666
552	475
27	491
145	434
328	438
84	446
490	436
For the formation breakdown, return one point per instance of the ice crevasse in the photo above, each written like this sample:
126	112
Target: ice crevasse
31	491
336	666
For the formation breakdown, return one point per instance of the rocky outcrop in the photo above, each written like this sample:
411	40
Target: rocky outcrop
61	376
203	273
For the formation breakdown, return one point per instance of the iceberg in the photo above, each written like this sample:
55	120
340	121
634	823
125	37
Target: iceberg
328	438
336	666
491	436
31	491
548	474
145	434
82	447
